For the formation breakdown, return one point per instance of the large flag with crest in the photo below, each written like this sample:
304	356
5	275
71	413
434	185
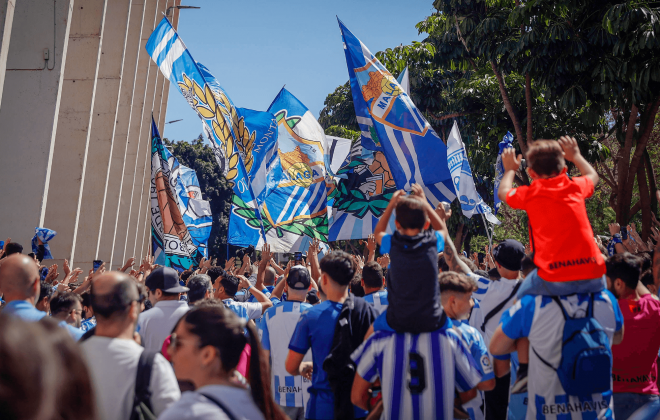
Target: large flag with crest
233	141
196	211
390	122
295	208
172	243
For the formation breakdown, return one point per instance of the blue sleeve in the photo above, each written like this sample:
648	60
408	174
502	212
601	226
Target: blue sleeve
440	240
300	340
481	356
265	336
517	321
385	244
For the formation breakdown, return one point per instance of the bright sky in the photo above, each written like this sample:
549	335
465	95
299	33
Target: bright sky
254	47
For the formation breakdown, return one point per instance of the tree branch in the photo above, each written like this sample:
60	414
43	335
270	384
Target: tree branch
509	107
528	101
449	116
607	180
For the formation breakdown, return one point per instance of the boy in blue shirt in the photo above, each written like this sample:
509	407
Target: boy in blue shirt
412	278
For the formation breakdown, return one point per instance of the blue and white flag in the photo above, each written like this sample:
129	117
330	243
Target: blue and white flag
196	212
506	143
404	81
414	151
220	117
461	173
172	243
296	204
45	235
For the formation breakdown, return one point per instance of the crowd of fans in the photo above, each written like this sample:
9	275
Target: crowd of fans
419	332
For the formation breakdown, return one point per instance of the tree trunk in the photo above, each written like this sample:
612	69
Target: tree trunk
652	185
509	108
458	239
645	201
624	160
528	101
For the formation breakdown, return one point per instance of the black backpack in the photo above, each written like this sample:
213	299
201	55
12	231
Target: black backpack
142	409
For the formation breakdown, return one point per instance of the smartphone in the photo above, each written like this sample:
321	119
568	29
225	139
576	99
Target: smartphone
2	244
446	205
297	257
97	264
624	233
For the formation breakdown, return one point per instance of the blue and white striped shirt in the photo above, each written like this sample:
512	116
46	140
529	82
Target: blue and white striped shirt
277	326
245	310
419	373
378	300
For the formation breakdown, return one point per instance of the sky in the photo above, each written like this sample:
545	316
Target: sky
254	47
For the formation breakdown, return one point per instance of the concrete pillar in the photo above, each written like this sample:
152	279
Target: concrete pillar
151	108
7	8
132	152
29	112
64	197
117	165
101	141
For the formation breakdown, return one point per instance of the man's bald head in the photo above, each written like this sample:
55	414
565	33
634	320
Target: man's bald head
112	294
18	275
269	276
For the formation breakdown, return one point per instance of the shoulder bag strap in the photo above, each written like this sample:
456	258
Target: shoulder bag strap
143	378
499	307
220	405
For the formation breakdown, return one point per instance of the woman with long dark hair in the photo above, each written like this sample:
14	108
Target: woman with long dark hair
205	348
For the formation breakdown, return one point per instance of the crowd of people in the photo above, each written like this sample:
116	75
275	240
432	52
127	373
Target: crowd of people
412	329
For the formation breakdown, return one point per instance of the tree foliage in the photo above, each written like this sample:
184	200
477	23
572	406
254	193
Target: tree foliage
199	157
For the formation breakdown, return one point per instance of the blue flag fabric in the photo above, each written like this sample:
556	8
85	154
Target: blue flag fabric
471	202
507	142
45	235
196	212
413	150
172	243
404	80
296	204
222	123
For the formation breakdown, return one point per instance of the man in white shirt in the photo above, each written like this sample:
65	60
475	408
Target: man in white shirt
158	322
112	355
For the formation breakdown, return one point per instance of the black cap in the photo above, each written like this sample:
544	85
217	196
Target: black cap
509	253
299	278
165	279
313	297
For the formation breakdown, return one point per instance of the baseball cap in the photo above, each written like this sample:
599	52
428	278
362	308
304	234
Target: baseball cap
299	278
165	279
509	253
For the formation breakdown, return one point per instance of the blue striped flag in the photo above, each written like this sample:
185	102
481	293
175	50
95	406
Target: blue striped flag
196	211
390	122
507	142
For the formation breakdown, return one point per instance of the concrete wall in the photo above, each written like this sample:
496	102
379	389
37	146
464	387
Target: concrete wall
74	148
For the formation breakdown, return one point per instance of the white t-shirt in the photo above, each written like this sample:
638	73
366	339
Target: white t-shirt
540	319
193	405
157	323
112	363
496	292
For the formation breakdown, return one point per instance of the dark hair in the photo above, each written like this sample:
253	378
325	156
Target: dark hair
63	302
546	157
219	327
372	274
442	263
86	299
75	398
13	248
527	265
647	278
118	301
356	285
29	372
339	266
626	267
455	282
646	259
410	213
230	283
185	275
215	272
198	284
46	291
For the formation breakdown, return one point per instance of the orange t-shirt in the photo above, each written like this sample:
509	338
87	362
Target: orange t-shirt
559	231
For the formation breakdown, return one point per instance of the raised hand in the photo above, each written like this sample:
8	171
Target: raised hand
510	161
570	147
444	214
129	263
66	268
614	228
73	277
266	255
230	264
418	192
655	235
52	274
371	243
385	261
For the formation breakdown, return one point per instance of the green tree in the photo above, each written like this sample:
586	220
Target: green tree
199	157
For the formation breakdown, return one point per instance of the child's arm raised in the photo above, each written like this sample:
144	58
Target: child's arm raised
436	221
511	164
572	154
381	226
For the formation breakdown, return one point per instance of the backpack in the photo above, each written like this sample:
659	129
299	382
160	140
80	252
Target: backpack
220	405
142	401
586	356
